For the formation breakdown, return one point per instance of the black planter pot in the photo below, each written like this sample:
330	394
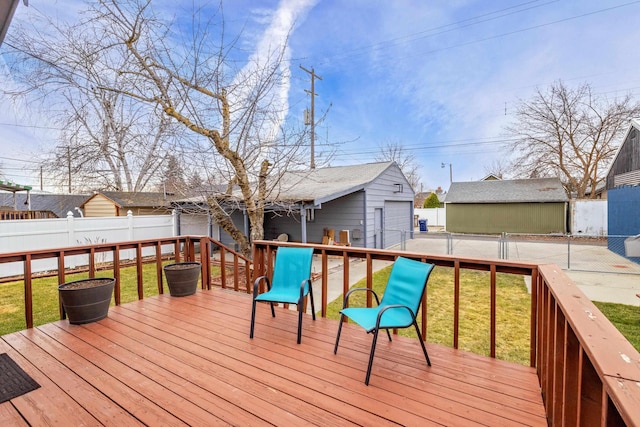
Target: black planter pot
182	278
86	300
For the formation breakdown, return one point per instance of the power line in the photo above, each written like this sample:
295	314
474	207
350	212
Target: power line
334	58
19	160
18	125
441	29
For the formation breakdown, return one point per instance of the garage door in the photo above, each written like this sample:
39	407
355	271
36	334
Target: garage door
397	222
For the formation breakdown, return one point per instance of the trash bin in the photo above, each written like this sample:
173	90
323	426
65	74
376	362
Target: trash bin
422	223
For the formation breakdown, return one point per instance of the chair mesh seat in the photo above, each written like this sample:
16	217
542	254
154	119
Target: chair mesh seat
278	296
366	317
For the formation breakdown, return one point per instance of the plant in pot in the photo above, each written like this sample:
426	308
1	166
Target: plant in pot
182	278
86	300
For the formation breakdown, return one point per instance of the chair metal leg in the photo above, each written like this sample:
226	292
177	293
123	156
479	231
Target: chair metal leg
373	350
253	318
299	323
273	312
424	348
335	349
313	307
388	334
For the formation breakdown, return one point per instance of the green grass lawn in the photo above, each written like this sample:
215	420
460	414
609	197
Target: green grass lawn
626	318
513	312
45	295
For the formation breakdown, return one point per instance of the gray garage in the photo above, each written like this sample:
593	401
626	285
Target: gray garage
372	203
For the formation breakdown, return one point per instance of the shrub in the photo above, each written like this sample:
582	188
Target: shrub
431	201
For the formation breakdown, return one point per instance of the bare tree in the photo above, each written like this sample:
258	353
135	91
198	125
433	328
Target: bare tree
569	133
235	116
107	141
394	151
173	180
231	109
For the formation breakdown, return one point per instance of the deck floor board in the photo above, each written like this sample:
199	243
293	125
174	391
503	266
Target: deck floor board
189	361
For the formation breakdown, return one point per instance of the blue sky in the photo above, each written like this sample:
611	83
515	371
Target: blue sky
440	78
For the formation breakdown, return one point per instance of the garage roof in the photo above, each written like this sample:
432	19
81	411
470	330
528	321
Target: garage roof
314	186
508	191
322	185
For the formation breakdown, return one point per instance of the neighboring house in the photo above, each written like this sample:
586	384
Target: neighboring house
537	206
419	198
21	202
492	177
47	205
118	203
625	167
372	202
623	192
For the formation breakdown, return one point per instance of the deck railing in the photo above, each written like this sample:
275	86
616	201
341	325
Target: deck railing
184	248
264	255
589	373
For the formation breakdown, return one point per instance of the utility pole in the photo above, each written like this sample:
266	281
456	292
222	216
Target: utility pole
450	171
313	112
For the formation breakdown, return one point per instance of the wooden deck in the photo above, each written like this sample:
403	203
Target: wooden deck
189	361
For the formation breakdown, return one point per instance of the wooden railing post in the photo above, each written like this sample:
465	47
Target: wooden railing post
492	341
139	272
92	263
325	282
28	292
456	302
205	261
63	314
116	274
159	268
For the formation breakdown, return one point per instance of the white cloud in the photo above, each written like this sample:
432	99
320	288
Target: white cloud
272	47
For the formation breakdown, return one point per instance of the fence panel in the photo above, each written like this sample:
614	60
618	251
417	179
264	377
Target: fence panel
33	235
436	217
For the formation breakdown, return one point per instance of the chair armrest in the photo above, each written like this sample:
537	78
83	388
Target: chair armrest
304	282
388	307
256	285
346	297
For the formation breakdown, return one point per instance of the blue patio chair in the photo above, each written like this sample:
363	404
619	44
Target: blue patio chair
291	283
398	308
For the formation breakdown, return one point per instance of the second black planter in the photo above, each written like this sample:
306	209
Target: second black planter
182	278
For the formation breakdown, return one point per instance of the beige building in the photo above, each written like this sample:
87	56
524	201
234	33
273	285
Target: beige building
118	203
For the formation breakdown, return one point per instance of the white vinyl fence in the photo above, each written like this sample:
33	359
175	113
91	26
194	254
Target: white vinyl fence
589	218
434	216
35	234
